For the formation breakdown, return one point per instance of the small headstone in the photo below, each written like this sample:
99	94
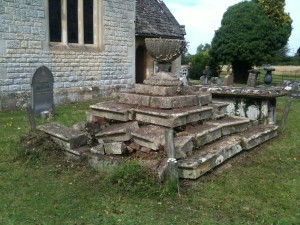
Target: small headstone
42	90
252	78
202	80
228	80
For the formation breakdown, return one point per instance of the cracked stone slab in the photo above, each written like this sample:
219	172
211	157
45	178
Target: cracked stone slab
173	117
209	157
150	136
64	136
257	135
113	111
118	132
231	125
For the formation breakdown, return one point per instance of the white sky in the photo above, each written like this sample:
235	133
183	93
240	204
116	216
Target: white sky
202	17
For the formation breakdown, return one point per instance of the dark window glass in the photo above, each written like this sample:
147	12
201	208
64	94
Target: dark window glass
72	18
55	20
88	21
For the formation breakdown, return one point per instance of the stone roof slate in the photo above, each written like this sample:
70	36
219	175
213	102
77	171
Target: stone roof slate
154	19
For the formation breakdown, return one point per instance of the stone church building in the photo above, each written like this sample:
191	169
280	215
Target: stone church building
91	47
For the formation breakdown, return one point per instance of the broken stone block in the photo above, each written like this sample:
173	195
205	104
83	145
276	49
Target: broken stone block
99	149
150	136
64	136
115	148
118	132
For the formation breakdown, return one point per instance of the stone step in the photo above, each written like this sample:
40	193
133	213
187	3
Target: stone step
64	136
257	135
173	117
161	102
155	90
113	111
209	157
231	124
202	134
118	132
213	154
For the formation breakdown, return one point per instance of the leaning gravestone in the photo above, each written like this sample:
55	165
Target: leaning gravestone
42	91
228	80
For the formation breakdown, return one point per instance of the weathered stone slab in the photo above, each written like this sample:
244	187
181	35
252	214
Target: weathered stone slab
150	136
113	110
183	146
67	137
174	117
156	90
162	102
118	132
257	135
160	81
169	102
114	148
231	125
134	99
209	157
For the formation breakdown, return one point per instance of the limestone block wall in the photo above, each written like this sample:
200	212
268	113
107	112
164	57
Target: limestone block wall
80	73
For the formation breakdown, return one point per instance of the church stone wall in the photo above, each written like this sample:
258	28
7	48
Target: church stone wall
79	73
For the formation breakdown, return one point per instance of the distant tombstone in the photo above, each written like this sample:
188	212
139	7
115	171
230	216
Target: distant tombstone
203	80
252	78
228	80
42	90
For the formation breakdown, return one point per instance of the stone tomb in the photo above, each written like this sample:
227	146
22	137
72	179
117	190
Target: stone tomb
42	91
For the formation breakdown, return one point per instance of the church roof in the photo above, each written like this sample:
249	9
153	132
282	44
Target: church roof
154	19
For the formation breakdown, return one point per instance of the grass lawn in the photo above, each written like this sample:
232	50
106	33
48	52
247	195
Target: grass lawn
261	186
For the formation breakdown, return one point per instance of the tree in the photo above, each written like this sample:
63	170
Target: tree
203	48
298	51
248	37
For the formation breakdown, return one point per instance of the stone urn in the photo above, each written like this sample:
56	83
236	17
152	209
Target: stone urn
164	51
268	76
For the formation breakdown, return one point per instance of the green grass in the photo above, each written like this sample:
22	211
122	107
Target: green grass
257	187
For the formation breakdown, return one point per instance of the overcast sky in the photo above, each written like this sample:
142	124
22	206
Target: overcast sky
202	17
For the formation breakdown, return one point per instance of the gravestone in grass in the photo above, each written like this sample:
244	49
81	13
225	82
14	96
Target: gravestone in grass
42	91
